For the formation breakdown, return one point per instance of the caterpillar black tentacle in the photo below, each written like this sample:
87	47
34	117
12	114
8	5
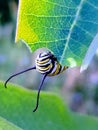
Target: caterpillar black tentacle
39	89
18	74
47	64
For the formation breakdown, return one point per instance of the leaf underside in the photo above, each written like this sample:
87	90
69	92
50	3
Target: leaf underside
66	27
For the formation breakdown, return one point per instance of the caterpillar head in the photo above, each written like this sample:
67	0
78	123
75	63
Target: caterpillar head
44	62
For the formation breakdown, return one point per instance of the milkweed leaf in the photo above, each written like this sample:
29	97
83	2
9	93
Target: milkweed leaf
4	124
17	103
66	27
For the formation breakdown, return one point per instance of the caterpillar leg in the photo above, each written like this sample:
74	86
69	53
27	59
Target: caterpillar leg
17	74
40	86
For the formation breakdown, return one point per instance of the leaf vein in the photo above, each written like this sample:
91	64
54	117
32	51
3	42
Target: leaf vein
50	16
60	5
95	7
72	27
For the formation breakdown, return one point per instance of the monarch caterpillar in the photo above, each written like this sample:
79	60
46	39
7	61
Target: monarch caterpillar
47	64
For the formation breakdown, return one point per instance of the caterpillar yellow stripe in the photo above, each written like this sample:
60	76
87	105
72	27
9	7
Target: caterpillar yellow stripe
46	62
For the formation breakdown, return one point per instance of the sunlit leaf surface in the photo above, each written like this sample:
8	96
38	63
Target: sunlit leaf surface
66	27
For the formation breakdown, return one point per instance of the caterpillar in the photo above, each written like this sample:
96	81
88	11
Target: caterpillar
48	65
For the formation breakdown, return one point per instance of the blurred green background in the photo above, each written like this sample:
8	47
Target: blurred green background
79	90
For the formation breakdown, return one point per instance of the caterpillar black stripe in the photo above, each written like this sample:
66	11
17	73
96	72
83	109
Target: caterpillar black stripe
47	64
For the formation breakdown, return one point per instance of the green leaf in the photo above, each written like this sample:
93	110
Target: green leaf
5	125
84	122
16	105
66	27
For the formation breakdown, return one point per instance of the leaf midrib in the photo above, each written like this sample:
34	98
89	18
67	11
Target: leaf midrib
71	29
